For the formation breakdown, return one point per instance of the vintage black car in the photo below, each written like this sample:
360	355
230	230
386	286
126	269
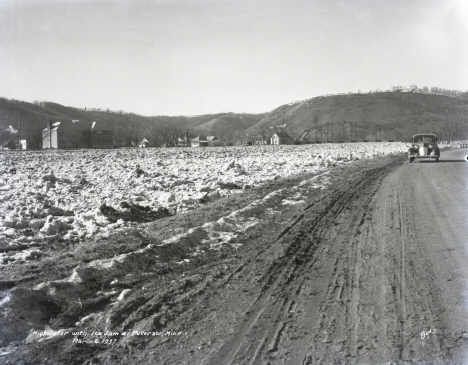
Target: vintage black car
424	146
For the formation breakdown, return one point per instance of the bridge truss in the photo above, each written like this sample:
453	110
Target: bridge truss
348	132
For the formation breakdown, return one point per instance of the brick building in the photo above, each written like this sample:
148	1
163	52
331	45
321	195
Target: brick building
78	134
101	135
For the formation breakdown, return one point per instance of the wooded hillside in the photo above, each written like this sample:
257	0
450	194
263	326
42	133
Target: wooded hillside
407	111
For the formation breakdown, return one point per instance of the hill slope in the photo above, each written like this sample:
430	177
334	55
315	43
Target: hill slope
224	125
408	113
30	118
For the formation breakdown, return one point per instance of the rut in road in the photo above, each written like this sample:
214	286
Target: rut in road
286	314
382	293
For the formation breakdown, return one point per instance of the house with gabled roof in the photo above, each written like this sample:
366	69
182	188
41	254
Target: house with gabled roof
184	140
281	137
199	141
143	143
260	140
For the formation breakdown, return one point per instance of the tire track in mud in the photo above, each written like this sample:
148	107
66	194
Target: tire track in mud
402	282
419	303
239	270
406	301
255	339
374	307
340	308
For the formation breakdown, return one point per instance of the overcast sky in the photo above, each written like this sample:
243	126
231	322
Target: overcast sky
188	57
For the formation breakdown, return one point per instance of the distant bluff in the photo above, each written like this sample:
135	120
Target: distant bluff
407	112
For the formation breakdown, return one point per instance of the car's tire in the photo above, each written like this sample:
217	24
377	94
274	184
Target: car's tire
437	159
411	159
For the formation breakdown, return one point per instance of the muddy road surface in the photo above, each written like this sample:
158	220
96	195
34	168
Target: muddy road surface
374	273
365	265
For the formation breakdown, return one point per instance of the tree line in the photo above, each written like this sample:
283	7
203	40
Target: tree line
22	120
463	95
129	129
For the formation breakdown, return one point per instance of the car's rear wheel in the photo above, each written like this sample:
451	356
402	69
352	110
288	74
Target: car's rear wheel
411	159
437	159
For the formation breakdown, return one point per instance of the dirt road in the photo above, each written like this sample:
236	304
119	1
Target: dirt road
357	280
369	268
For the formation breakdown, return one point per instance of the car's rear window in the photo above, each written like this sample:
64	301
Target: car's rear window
424	139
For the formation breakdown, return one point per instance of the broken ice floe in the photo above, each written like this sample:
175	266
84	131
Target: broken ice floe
80	195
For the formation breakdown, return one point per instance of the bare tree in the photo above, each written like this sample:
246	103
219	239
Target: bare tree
291	131
7	131
171	129
128	132
453	125
153	133
239	136
33	136
264	131
229	134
